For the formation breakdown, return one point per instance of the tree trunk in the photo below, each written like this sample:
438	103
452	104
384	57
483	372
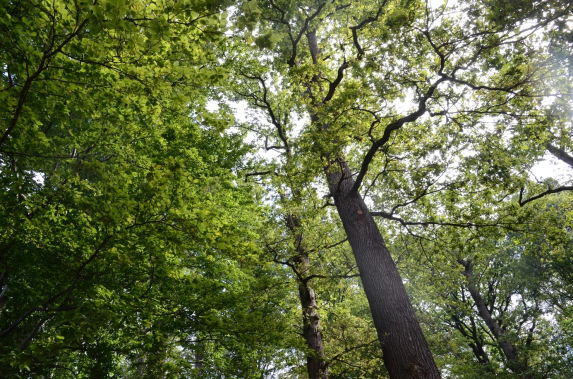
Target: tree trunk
315	364
3	290
516	365
560	154
405	350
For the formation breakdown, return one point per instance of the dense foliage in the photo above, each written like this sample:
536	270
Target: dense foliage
146	231
125	238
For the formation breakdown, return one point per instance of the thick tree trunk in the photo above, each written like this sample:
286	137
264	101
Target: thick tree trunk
516	365
406	352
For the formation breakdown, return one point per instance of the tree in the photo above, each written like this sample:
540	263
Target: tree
126	243
494	298
335	325
129	246
399	97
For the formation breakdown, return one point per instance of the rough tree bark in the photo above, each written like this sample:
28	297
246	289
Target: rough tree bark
405	350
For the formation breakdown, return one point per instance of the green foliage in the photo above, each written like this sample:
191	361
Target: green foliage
521	279
125	237
444	109
130	247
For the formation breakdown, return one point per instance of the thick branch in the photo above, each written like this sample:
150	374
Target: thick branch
388	131
493	326
295	41
560	154
361	25
542	194
336	82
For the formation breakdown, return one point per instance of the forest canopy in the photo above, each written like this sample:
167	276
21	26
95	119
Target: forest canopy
293	189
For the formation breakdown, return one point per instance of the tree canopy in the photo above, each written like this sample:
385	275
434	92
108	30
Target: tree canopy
279	188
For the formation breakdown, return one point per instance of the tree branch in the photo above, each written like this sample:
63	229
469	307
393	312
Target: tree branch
542	194
560	154
347	350
264	103
291	62
336	82
361	25
507	348
390	216
256	173
388	131
70	287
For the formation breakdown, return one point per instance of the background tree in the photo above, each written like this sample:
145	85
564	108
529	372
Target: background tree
336	326
491	296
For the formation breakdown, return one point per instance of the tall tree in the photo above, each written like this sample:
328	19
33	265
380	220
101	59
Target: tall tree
398	97
323	274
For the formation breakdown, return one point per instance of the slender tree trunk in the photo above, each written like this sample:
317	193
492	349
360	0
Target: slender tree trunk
406	352
199	356
515	364
316	366
3	290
